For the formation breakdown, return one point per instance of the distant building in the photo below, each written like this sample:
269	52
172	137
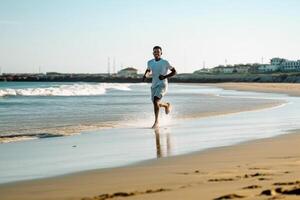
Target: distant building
276	65
223	70
268	68
285	65
254	67
277	61
238	68
203	71
290	66
241	69
228	70
128	72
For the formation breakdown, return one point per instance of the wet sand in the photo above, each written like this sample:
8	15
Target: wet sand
260	169
254	170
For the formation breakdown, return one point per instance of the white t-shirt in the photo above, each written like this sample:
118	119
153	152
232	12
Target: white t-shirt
157	68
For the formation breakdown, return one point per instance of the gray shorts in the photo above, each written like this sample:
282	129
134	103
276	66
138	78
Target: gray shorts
158	91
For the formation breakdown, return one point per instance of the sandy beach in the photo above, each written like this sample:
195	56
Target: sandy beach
259	169
292	89
246	170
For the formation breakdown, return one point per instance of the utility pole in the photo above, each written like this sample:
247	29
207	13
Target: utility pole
184	61
108	66
262	60
203	66
225	62
114	65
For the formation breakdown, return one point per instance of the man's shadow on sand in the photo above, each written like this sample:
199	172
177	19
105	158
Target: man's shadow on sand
163	143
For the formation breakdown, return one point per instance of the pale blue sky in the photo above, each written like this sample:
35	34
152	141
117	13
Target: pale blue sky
78	36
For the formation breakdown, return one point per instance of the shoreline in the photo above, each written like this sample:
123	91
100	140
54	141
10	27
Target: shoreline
24	137
257	109
101	126
206	174
82	128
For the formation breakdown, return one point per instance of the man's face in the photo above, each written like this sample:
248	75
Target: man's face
157	53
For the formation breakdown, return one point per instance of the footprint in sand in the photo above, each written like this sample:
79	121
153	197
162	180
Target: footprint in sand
229	196
269	192
200	172
293	191
287	183
124	194
183	173
272	192
264	179
261	175
256	175
221	179
251	187
195	172
259	168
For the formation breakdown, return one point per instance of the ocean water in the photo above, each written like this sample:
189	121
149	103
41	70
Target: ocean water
51	108
129	109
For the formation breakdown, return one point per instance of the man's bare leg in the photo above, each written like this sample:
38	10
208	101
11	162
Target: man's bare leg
157	104
156	111
167	106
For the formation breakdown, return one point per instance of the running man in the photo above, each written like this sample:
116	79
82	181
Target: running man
159	68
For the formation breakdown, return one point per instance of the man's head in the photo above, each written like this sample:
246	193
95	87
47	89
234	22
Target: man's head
157	52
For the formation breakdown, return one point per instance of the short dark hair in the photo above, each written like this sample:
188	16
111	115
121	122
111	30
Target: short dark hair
157	47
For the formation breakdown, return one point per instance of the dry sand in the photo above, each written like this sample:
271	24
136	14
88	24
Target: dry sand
292	89
261	169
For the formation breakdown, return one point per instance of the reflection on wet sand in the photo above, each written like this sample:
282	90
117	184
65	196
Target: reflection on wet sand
163	143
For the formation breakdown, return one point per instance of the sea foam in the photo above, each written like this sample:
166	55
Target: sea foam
78	89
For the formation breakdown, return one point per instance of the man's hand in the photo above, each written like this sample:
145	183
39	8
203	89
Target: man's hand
161	77
173	72
144	78
145	74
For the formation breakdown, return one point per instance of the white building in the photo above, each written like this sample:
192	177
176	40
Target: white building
223	70
241	69
276	65
128	72
286	65
290	66
268	68
228	70
277	61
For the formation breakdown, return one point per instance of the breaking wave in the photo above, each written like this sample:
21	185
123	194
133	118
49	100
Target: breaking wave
66	90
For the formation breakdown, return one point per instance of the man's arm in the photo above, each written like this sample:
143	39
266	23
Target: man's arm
173	73
146	72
